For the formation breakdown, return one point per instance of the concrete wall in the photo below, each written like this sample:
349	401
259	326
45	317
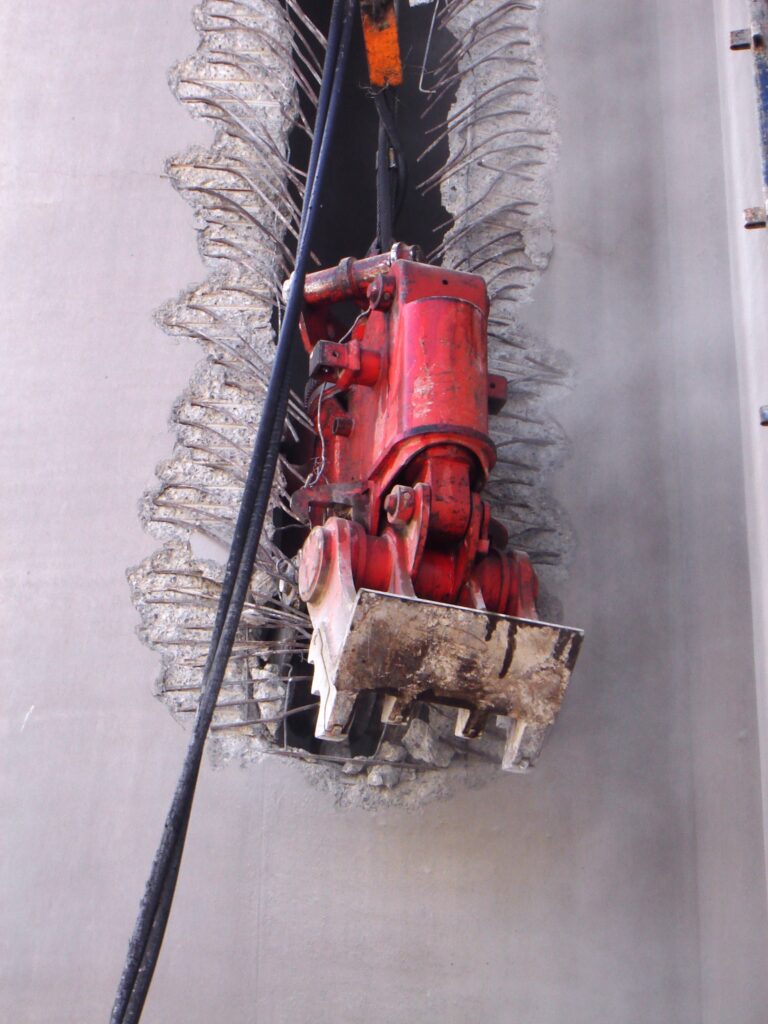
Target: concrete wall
749	272
624	880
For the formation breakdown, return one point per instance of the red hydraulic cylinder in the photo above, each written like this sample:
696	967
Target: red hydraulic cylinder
401	406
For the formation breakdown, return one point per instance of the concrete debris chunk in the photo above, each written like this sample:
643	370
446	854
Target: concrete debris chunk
391	752
423	744
385	775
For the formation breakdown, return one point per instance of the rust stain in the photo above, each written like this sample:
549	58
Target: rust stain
509	652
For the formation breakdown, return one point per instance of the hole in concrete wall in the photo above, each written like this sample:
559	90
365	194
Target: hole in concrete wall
347	221
490	169
347	227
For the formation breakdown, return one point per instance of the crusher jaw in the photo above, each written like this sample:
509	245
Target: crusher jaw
407	580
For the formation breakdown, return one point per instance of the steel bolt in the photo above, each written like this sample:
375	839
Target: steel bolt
380	292
754	217
400	504
741	39
342	426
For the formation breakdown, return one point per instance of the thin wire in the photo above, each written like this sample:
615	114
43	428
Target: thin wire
356	321
319	469
427	49
316	475
264	721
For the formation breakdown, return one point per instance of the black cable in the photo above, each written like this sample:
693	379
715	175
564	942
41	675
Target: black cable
384	197
387	118
389	202
146	969
150	926
323	99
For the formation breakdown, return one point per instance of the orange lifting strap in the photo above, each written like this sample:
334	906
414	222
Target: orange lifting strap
382	46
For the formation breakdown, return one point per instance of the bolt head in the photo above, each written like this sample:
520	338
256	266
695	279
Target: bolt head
741	39
754	217
380	292
342	426
400	504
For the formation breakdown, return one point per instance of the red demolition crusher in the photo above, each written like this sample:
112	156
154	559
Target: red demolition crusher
405	573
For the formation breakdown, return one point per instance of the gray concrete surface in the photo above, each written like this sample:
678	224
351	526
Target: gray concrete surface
749	272
623	881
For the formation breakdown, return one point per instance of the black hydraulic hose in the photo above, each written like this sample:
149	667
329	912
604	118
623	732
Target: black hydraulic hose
138	993
384	198
323	99
387	119
148	932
